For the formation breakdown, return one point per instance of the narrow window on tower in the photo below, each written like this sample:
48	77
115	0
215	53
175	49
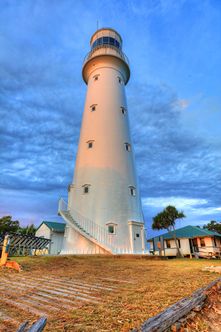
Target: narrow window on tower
123	110
96	77
93	107
127	147
85	188
120	80
90	144
111	228
132	191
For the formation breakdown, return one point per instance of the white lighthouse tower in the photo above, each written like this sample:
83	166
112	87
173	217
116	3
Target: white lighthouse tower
103	213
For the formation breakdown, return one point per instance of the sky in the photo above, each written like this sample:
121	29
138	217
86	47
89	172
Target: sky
173	96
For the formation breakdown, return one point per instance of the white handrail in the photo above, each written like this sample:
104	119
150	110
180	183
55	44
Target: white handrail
94	230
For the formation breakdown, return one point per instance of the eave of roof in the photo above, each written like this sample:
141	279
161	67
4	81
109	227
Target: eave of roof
57	227
187	232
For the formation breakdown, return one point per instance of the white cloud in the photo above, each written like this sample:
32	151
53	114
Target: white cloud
179	202
190	206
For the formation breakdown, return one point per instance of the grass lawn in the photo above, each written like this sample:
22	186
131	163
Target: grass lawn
143	288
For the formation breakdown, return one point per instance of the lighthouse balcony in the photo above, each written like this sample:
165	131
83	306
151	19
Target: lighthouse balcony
106	49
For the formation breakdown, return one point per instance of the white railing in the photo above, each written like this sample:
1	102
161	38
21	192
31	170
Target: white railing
106	50
93	230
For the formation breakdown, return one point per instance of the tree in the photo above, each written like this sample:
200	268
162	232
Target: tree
213	226
167	220
28	230
7	225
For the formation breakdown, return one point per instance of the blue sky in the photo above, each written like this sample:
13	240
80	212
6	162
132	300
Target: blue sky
174	101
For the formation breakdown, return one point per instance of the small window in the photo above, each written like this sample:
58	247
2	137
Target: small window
128	147
168	244
137	235
123	110
111	228
90	144
202	242
86	188
93	107
132	191
96	77
120	80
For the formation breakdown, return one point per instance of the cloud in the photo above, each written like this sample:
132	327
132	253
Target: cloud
179	202
42	46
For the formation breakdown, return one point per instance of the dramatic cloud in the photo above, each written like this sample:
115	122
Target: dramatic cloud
173	102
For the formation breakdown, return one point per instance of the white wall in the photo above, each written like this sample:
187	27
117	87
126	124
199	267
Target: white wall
56	238
44	231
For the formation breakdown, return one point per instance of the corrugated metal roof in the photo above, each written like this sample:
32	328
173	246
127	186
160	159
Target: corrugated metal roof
54	226
188	232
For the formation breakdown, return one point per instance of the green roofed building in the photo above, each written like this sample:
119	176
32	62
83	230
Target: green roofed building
53	231
192	240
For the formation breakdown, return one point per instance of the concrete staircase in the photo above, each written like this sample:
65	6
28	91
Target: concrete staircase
87	228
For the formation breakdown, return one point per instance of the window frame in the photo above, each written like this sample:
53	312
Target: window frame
127	146
93	107
202	242
114	226
86	189
123	110
120	80
132	191
96	77
90	144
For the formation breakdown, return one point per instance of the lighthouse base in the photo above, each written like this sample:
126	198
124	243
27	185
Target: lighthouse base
76	244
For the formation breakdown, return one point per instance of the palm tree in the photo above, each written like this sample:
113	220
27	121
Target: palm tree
167	220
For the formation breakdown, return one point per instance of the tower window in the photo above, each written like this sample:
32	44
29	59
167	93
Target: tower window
127	147
120	80
86	188
96	77
132	191
123	110
90	144
111	228
93	107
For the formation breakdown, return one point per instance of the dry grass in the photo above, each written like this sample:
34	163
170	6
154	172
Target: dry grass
149	287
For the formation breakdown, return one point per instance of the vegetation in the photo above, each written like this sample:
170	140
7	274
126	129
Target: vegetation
167	220
143	289
213	226
7	225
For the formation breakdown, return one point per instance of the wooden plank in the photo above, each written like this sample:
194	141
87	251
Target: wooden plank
36	327
168	317
39	325
23	306
23	327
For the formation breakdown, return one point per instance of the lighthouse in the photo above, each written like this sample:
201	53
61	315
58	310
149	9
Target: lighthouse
103	213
